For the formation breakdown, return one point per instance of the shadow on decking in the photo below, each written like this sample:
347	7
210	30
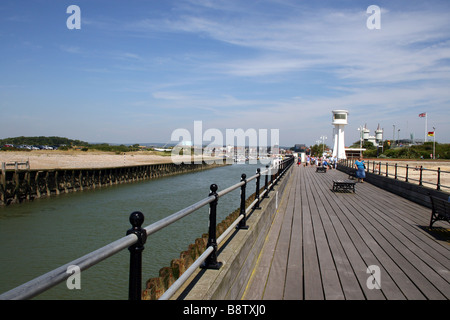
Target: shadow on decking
439	233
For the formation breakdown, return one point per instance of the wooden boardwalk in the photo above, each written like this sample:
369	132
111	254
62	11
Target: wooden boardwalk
321	243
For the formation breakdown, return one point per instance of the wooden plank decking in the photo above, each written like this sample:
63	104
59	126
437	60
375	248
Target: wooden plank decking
321	244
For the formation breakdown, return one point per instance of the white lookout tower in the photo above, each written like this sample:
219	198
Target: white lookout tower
340	119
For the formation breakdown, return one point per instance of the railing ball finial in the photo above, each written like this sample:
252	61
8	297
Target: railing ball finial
213	188
136	219
135	275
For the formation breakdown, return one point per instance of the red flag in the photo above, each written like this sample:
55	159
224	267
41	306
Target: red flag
423	115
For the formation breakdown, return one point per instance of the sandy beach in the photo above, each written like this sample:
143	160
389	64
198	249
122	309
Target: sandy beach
54	159
429	173
73	159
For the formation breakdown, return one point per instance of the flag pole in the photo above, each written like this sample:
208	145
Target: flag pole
434	143
426	127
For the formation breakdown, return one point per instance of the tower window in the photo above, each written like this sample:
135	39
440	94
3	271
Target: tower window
340	116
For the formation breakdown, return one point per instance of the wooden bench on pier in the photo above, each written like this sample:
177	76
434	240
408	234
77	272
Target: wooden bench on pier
440	210
321	169
344	185
352	173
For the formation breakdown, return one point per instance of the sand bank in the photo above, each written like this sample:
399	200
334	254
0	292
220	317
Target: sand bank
55	159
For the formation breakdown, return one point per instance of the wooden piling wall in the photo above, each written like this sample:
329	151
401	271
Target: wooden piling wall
17	185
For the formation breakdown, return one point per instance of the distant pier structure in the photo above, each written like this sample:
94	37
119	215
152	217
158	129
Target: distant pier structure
339	120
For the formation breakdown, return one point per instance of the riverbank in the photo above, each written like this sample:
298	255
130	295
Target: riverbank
50	173
77	159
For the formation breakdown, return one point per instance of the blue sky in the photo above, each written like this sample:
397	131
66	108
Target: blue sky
137	70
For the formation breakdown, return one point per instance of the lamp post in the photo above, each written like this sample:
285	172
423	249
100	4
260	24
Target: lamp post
393	134
360	129
323	144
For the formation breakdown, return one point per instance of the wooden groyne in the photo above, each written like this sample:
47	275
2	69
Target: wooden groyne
21	183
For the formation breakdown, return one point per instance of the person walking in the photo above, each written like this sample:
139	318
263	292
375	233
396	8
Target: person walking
360	169
325	164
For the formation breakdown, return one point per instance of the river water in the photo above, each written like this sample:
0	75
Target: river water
39	236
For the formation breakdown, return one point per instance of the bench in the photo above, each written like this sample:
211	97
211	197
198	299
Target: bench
352	173
344	185
440	210
321	169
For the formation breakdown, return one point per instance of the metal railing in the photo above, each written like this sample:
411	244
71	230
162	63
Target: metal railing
412	174
136	237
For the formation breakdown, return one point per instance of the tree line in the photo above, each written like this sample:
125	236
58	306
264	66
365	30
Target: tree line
61	143
419	151
42	141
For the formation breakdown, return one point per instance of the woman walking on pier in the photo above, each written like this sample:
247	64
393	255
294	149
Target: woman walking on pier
360	169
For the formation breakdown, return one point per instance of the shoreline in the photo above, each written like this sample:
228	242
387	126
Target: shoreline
25	184
74	159
77	159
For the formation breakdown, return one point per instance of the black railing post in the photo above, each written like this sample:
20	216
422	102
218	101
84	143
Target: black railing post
439	179
211	261
258	172
420	177
266	183
395	175
135	278
243	223
271	179
406	179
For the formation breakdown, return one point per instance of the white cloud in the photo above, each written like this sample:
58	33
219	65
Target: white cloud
410	46
71	49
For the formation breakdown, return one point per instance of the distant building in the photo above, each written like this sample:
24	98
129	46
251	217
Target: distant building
376	140
352	153
299	148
